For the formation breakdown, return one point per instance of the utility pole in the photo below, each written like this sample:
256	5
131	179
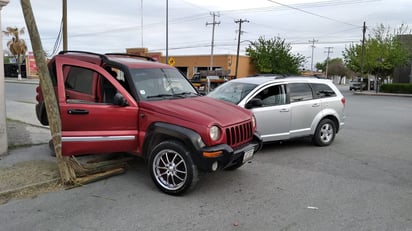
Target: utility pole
313	41
167	31
141	21
363	54
329	50
240	21
213	36
65	43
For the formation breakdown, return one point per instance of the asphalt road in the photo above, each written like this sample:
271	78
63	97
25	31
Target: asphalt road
361	182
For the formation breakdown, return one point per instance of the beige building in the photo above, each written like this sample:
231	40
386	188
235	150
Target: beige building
190	64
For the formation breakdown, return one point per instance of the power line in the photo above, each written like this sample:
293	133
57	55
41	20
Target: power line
311	13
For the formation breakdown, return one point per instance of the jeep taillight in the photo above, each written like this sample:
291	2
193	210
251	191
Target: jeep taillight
39	96
343	100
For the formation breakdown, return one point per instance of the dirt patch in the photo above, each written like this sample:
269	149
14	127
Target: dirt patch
28	179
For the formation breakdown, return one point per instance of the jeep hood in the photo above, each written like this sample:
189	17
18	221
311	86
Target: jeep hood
200	110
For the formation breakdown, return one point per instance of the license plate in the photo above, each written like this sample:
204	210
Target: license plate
248	155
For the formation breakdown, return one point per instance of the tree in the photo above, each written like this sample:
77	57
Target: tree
383	52
321	66
274	56
336	67
16	45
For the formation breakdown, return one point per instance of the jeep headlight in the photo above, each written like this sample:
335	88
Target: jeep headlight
214	133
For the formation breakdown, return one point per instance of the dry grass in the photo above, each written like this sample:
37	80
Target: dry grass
28	179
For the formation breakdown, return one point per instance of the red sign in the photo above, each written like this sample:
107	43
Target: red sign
32	64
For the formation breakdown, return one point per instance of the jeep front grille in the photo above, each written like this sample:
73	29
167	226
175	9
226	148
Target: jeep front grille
239	134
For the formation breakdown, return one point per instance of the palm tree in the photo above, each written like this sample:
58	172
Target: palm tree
16	45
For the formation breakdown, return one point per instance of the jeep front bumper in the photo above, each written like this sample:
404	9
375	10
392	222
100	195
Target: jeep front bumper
225	156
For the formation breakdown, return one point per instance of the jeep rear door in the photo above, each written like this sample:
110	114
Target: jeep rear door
91	123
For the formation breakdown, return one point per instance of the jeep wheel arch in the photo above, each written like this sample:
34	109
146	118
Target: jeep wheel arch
161	131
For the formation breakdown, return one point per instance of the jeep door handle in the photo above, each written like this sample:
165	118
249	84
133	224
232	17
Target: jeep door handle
77	112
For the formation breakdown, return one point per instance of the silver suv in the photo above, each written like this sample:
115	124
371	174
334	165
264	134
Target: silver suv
289	107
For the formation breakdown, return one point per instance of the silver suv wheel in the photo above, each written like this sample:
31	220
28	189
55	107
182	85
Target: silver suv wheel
325	133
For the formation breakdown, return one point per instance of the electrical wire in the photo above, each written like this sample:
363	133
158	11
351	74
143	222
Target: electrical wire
311	13
58	41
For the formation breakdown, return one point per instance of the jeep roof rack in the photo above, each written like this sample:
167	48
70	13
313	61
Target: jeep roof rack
83	52
133	55
104	56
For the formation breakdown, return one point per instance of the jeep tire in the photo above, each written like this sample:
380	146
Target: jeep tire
171	167
325	133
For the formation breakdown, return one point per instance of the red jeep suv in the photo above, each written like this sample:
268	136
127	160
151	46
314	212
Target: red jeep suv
112	103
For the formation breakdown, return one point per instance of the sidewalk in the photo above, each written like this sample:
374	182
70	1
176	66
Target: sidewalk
27	169
24	112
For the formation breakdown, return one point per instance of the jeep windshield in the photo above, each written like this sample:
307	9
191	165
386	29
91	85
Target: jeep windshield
158	84
232	92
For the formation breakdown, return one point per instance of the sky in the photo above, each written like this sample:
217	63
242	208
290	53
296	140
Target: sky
185	27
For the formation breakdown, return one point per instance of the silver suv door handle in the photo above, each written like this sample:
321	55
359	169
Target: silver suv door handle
316	105
284	110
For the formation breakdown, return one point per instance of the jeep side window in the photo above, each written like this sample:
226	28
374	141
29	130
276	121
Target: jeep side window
299	92
79	84
322	90
79	79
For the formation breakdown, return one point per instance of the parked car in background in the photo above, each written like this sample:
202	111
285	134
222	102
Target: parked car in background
358	83
288	107
114	103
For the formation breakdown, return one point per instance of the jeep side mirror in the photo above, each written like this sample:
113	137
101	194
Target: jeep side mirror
119	100
255	102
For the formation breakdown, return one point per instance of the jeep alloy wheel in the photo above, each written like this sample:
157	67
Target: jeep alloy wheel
171	168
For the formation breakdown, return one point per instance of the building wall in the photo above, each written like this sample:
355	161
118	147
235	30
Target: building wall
192	63
404	74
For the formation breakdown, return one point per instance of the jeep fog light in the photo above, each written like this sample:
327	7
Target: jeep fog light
214	133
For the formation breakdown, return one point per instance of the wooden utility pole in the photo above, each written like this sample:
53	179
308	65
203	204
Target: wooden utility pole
65	42
71	171
66	172
313	41
240	21
329	50
363	54
214	23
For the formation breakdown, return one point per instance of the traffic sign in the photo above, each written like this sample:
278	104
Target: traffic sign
171	61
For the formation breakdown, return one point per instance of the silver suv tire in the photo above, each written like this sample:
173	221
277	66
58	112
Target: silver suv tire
325	133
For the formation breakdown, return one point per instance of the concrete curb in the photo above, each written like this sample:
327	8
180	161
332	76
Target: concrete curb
24	80
380	94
